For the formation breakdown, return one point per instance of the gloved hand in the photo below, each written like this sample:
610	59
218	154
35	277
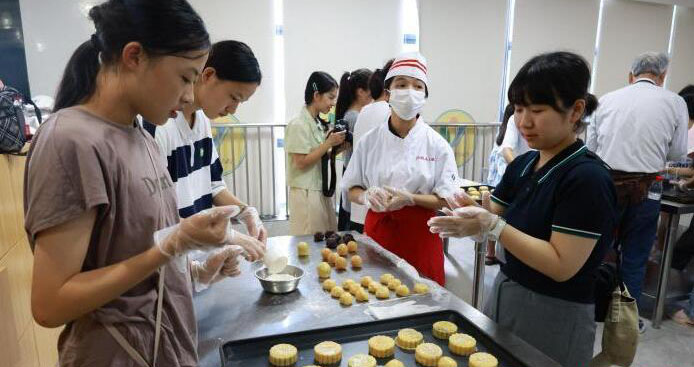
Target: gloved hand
375	198
253	249
463	222
460	199
399	198
682	186
249	216
202	230
219	265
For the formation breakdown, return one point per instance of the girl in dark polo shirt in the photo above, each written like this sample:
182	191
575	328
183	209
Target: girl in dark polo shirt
553	211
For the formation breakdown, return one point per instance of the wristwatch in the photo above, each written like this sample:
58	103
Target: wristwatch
495	231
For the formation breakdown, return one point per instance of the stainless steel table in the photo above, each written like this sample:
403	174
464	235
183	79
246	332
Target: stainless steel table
237	308
674	209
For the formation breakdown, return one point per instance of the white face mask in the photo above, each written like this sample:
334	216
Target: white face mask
407	103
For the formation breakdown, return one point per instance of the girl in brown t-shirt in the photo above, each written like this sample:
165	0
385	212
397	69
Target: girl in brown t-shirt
100	211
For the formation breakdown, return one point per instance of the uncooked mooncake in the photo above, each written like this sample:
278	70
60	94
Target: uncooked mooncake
428	354
332	258
340	263
409	339
394	283
283	355
361	360
444	329
394	363
302	249
346	299
421	288
447	362
325	253
356	261
352	246
342	249
362	295
482	360
365	281
337	291
462	344
347	282
329	284
382	292
373	287
402	291
327	352
324	270
381	346
385	278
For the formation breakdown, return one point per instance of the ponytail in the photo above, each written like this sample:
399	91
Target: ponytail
79	78
162	27
349	83
344	97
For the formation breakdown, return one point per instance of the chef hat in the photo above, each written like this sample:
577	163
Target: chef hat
411	64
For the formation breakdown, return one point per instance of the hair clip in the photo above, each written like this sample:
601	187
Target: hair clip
315	87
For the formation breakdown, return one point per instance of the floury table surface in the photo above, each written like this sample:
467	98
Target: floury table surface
237	308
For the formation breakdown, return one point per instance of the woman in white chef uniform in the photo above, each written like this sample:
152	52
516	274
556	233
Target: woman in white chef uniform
401	170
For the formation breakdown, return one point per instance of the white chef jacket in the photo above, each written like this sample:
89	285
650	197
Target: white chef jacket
639	128
421	163
372	115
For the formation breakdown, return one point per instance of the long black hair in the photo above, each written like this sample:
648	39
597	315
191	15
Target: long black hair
557	79
349	83
234	61
377	80
508	112
320	82
162	27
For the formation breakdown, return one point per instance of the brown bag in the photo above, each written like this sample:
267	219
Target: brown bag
621	333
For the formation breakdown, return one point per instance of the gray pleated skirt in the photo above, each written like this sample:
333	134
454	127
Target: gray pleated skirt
562	330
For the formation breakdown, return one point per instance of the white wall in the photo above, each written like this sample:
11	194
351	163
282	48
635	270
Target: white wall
553	25
629	29
249	21
463	41
681	70
336	36
52	31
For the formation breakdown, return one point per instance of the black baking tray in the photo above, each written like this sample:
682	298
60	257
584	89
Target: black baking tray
354	340
675	195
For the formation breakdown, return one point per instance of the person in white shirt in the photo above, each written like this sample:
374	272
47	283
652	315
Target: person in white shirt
636	130
370	116
401	170
230	77
352	96
514	144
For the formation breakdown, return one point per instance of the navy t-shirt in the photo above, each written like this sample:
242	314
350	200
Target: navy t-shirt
573	193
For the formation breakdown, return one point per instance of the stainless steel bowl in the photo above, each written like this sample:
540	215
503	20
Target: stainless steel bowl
279	287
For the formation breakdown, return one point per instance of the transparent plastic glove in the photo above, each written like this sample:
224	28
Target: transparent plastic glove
399	199
460	199
463	222
218	265
249	216
206	229
375	198
252	248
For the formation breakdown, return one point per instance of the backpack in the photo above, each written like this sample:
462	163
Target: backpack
12	133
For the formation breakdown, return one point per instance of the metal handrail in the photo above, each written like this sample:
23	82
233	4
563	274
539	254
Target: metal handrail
437	124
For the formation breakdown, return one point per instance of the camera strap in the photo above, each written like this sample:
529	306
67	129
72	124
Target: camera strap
329	179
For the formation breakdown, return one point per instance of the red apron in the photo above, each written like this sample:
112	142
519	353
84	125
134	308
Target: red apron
405	233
